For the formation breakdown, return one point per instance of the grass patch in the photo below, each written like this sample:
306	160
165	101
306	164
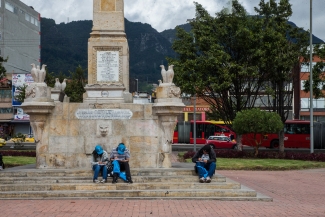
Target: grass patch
11	161
266	164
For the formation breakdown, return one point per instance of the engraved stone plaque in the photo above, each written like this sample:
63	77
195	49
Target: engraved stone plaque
103	114
107	66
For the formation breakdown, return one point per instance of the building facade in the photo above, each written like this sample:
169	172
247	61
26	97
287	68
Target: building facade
19	42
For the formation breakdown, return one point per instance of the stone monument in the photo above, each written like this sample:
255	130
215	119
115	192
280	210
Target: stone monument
66	133
108	54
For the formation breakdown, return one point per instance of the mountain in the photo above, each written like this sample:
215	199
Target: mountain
64	47
170	34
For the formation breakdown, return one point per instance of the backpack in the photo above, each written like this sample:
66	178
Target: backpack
109	166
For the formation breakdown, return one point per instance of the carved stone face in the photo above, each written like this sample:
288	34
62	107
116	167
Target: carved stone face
103	130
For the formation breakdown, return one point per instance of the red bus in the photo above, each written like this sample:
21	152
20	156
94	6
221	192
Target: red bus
184	131
296	135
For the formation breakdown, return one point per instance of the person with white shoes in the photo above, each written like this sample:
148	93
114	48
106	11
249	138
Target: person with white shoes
99	160
205	163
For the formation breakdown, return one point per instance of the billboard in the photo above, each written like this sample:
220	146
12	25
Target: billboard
19	80
20	115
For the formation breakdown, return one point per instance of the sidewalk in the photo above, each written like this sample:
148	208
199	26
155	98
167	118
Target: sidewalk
295	193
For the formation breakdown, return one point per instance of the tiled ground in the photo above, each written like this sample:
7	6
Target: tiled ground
295	193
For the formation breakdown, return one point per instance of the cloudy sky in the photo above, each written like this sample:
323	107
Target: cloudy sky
166	14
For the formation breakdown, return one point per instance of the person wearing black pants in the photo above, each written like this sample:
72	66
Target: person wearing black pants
122	155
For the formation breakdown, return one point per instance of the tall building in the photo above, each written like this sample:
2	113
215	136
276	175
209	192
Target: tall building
20	43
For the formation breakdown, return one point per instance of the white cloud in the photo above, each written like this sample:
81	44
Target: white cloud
166	14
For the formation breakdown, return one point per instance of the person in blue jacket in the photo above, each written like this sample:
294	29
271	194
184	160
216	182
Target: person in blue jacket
122	155
99	161
205	160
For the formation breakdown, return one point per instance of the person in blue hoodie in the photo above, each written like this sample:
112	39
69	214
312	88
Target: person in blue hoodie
122	155
98	162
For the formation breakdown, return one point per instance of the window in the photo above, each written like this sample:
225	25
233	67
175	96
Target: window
9	7
27	17
6	111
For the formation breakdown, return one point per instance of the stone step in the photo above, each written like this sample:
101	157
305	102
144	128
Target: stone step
89	173
118	186
128	193
136	179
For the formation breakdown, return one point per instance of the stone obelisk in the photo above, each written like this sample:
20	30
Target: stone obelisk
108	55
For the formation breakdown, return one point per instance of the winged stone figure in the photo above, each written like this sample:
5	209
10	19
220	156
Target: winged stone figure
34	73
63	85
57	85
163	73
170	74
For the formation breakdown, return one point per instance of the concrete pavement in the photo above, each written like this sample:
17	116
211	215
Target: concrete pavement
295	193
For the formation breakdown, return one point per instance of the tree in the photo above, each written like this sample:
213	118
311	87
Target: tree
254	124
283	46
318	73
2	69
75	87
22	93
218	60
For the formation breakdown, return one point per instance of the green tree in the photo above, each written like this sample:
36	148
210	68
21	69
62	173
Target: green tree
254	124
22	93
75	87
283	46
2	69
318	73
49	78
218	60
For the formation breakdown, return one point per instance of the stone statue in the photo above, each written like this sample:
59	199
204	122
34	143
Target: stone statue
170	74
167	76
163	74
34	72
63	85
42	74
57	85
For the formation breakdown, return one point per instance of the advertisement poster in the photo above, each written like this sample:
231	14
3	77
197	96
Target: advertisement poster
17	81
20	115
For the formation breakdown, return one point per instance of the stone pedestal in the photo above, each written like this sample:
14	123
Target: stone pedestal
167	107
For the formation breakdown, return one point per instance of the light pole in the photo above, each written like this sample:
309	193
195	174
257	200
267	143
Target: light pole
137	86
194	104
311	80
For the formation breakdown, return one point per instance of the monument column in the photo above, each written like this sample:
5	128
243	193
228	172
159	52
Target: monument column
108	54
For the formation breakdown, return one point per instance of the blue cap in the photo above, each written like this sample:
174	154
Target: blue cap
121	148
99	149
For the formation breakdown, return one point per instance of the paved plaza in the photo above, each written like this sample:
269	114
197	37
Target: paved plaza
294	193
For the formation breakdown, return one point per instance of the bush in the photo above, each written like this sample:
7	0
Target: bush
264	155
18	153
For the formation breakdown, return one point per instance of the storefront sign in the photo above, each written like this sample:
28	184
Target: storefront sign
20	115
197	109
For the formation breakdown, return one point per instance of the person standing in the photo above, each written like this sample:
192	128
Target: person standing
99	161
122	155
205	162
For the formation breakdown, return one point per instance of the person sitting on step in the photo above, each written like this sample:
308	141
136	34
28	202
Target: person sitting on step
205	160
122	155
99	161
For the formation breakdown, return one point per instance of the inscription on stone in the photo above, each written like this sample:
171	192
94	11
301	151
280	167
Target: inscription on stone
103	114
107	66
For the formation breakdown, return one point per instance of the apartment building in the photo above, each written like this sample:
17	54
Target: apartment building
20	43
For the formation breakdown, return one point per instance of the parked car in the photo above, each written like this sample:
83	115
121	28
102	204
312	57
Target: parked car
221	142
20	140
2	142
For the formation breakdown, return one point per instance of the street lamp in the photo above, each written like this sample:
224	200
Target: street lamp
137	86
311	81
194	104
